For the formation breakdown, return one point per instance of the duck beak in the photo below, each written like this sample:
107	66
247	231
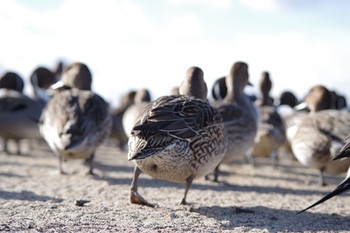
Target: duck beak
301	106
57	85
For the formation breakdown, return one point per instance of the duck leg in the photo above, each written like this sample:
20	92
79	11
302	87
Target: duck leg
60	165
5	146
275	159
90	163
18	145
215	175
189	181
135	197
321	180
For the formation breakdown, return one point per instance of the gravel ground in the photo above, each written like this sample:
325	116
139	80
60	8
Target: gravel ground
35	198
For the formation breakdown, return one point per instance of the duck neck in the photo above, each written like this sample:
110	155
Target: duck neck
266	99
235	95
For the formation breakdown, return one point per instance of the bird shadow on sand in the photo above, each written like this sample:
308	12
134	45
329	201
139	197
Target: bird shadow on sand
274	220
27	196
113	167
147	182
8	174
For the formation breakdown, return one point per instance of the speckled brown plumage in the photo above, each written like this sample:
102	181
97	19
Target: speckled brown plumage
177	138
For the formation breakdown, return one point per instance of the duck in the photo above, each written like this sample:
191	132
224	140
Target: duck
321	135
76	120
19	114
219	89
13	81
177	138
271	129
239	114
288	98
265	85
117	133
141	100
344	153
41	80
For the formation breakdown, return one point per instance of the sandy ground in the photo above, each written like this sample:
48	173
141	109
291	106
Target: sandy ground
35	198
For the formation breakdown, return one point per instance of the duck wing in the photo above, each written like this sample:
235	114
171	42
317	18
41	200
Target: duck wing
170	119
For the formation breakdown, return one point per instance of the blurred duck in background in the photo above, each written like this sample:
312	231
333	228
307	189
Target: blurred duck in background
291	117
41	80
118	134
76	120
131	114
322	134
177	138
12	81
345	184
271	129
19	114
239	114
219	89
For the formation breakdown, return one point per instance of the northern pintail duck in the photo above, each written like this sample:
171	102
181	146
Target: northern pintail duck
219	89
271	129
76	120
321	135
41	79
265	85
345	184
239	115
131	114
12	81
339	101
286	103
288	98
177	138
19	114
118	134
292	118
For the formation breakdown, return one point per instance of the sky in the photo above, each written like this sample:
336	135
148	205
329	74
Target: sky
132	44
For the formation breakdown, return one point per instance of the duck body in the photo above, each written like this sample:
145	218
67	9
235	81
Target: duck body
319	139
19	116
241	124
345	184
178	137
74	123
134	110
271	132
239	114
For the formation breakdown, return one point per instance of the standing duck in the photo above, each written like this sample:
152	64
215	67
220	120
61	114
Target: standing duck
12	81
118	134
131	114
321	134
41	80
271	130
345	184
76	120
19	114
239	115
177	138
219	89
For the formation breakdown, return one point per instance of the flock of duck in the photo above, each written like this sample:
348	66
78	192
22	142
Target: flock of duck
183	136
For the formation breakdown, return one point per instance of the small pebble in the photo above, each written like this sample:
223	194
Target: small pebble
81	202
